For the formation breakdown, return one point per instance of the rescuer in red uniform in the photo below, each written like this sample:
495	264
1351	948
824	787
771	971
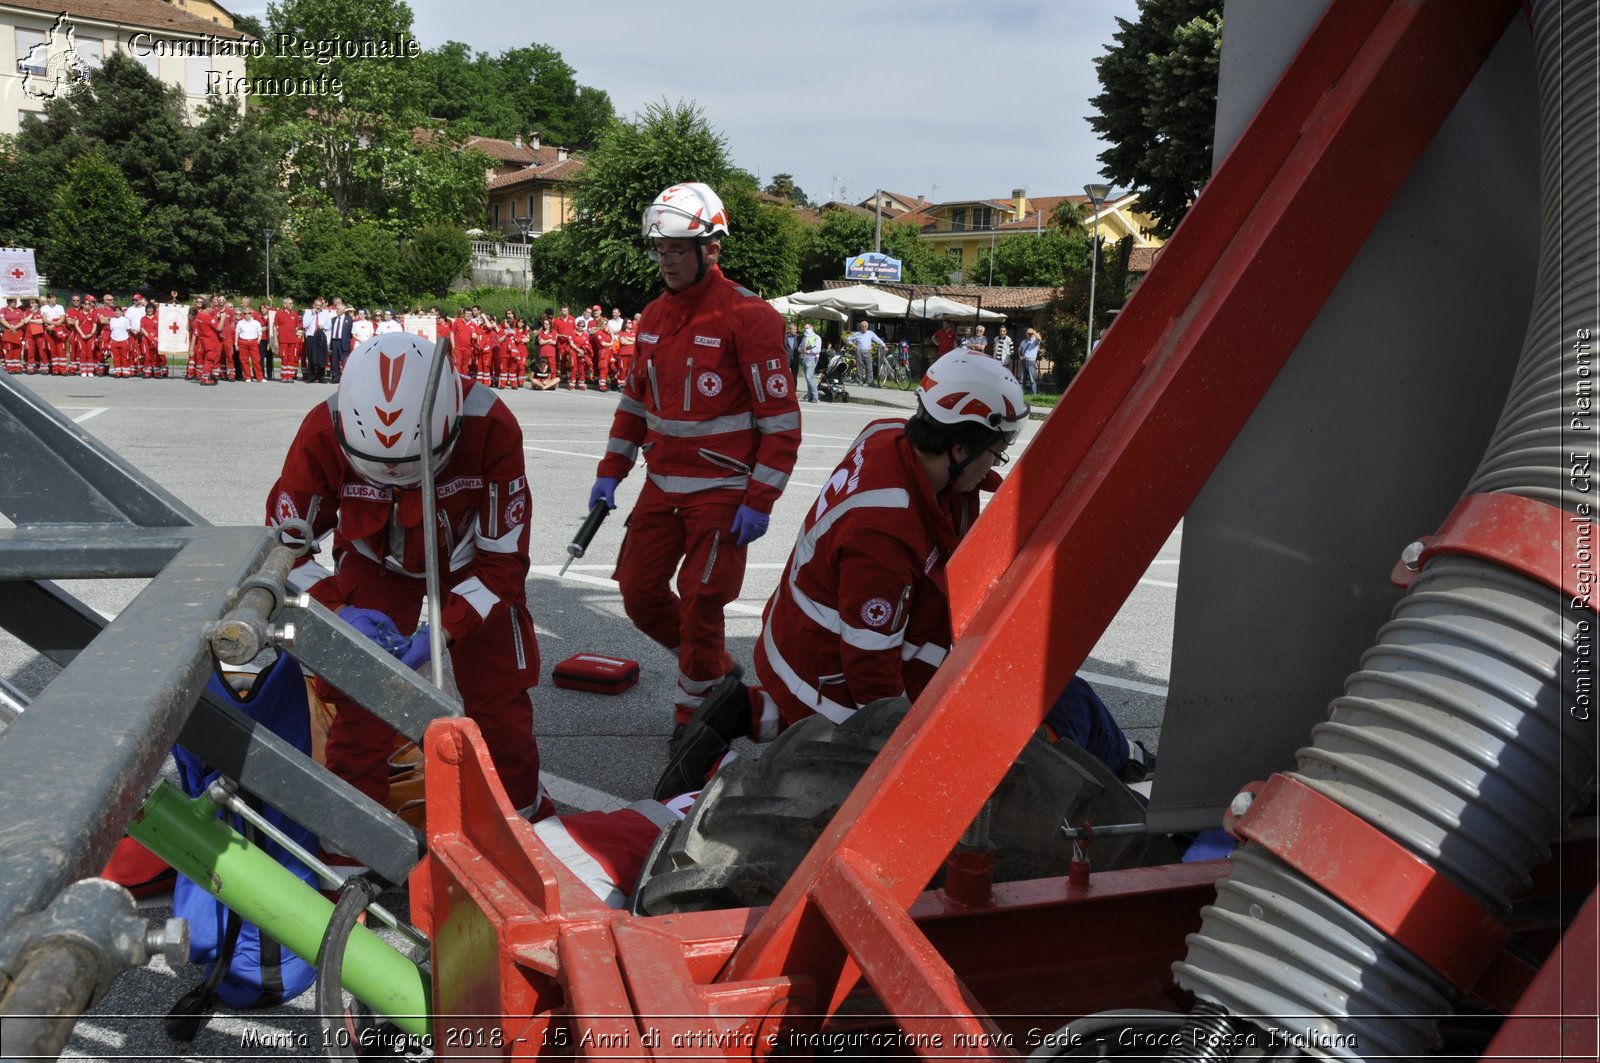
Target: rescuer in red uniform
710	403
360	453
862	611
291	340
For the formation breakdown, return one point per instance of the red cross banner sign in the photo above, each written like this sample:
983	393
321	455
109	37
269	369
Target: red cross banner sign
18	275
424	325
173	324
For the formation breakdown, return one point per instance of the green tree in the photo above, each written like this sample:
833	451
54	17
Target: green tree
782	184
666	145
523	90
233	195
357	261
920	263
842	234
1157	107
96	237
1044	260
431	260
763	253
549	258
360	151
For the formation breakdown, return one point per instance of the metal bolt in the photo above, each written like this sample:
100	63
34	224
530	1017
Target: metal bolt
1411	556
1241	804
284	636
170	941
304	601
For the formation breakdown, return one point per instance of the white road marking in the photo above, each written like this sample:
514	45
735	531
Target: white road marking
97	411
1124	684
567	453
1158	583
584	798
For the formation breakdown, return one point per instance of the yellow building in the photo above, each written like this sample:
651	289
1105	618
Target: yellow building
961	229
530	181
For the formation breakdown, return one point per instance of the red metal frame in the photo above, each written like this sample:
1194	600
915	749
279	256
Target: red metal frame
1110	475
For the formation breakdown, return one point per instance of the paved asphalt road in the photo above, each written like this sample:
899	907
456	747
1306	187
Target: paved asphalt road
219	451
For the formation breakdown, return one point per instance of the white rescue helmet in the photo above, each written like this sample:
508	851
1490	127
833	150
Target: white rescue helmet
965	387
690	211
380	400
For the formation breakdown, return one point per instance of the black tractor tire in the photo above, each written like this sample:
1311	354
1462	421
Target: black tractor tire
757	818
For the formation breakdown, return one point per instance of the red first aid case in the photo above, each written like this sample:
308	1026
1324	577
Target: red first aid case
596	673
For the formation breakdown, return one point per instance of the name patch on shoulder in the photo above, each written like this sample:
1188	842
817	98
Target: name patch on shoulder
365	491
708	341
459	484
649	337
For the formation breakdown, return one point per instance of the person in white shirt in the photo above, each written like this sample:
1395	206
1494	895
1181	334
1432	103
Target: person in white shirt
976	341
614	326
1001	351
316	340
810	351
361	329
120	331
247	337
388	324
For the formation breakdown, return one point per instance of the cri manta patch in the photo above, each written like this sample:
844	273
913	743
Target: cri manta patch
708	341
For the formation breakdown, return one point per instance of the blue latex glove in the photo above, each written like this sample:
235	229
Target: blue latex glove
420	650
375	625
604	490
748	526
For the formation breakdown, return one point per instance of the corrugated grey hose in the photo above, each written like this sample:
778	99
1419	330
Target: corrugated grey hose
1455	736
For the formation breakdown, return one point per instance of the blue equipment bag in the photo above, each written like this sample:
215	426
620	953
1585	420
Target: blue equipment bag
254	971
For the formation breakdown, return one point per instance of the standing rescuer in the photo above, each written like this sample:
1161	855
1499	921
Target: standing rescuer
359	454
710	402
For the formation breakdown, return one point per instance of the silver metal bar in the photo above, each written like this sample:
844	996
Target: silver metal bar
430	516
223	795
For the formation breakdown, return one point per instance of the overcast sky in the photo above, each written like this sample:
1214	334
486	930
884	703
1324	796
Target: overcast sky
944	98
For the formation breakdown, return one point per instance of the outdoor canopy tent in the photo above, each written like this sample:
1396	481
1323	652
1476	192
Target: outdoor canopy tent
939	308
875	302
784	306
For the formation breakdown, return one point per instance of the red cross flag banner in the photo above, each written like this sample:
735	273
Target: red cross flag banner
424	325
18	275
172	323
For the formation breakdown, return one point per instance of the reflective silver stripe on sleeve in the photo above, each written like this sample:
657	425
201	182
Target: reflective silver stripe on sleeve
928	653
805	547
805	692
505	544
629	404
828	618
623	447
479	401
684	485
481	598
586	868
771	477
302	578
755	384
778	422
733	422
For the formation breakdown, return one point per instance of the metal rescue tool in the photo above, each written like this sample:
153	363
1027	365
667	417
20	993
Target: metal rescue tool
580	542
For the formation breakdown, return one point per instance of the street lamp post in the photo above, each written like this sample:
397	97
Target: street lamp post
266	234
1097	194
524	225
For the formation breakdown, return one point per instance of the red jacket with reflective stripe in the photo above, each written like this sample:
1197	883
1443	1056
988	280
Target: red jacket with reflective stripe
709	399
863	609
483	504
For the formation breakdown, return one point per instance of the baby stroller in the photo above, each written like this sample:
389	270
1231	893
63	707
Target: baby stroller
832	376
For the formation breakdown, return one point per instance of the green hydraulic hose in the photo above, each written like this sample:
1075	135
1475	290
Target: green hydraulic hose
186	833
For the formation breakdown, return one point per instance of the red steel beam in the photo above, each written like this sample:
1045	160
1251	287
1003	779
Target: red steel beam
1559	1016
1110	474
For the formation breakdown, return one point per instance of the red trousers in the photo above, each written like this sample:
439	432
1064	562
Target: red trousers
688	620
577	363
121	364
207	358
12	353
288	359
250	359
494	667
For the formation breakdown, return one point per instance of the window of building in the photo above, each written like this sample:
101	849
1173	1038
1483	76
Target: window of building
958	219
145	55
92	50
195	69
982	217
497	215
31	58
